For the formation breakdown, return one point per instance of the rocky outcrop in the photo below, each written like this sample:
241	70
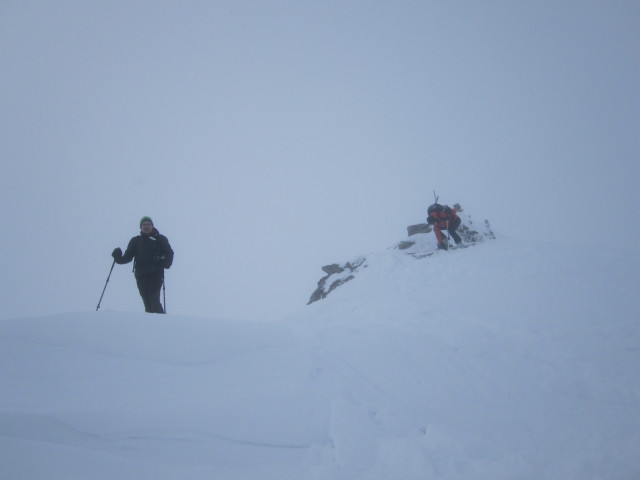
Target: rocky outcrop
336	275
420	244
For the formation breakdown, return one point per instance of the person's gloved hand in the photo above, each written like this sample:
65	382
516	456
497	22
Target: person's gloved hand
117	253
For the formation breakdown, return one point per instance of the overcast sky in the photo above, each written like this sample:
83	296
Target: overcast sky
269	138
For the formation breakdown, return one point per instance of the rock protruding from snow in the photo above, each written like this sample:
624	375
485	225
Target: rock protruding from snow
419	228
421	244
335	276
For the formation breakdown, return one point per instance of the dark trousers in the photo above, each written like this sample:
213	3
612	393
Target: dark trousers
452	226
149	286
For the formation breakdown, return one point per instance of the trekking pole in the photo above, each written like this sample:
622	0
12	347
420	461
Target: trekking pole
164	295
105	285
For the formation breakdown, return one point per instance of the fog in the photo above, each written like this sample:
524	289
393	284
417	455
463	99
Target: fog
269	138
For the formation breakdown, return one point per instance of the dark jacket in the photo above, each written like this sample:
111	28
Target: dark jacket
152	253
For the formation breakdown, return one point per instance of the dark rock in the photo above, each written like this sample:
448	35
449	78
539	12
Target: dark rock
333	268
419	228
323	290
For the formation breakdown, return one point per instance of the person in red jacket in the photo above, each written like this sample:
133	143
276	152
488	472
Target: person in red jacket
442	218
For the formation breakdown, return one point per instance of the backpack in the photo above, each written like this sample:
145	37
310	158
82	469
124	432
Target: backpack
436	207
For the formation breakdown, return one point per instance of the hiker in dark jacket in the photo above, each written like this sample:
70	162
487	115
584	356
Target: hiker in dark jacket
442	218
151	253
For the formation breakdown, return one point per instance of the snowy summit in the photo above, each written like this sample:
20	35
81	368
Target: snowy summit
508	360
421	244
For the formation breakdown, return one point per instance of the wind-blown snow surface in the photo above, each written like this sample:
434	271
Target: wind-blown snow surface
501	361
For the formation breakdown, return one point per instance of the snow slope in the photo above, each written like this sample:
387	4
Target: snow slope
506	360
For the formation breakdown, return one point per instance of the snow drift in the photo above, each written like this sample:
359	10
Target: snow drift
501	361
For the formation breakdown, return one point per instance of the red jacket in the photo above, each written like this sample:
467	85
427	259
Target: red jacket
440	217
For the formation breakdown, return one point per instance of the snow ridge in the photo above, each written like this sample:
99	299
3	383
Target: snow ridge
511	359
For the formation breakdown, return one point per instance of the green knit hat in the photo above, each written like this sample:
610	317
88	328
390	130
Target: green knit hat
146	219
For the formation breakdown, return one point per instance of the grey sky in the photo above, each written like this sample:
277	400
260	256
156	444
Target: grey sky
268	138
